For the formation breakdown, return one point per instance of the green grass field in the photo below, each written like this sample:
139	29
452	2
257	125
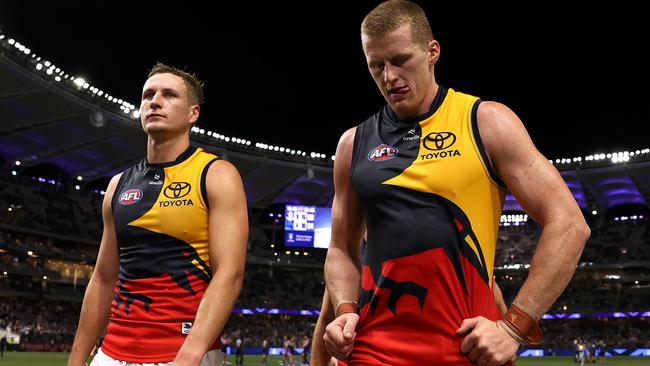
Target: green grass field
59	359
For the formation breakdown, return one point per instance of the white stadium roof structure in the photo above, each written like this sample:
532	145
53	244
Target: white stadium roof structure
50	117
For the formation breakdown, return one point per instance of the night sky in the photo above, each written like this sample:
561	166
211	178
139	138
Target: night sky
273	70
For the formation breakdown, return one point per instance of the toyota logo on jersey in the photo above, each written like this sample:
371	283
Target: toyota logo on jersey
130	197
177	190
439	141
382	152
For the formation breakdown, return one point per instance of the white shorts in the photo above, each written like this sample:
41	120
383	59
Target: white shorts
212	358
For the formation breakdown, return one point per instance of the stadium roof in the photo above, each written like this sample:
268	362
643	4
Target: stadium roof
578	83
45	122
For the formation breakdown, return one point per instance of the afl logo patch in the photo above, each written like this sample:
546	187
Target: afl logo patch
130	197
382	152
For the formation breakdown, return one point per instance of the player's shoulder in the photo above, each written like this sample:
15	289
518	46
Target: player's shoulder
112	185
116	178
223	169
347	138
496	115
223	183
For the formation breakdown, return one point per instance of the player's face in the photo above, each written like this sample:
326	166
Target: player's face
402	69
165	107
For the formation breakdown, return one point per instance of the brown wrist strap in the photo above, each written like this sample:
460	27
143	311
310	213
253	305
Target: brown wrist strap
503	325
523	324
346	307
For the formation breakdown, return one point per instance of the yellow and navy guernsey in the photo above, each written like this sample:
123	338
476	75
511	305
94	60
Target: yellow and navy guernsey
161	223
432	204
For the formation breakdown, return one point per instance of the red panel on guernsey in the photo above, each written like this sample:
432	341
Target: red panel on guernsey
156	335
421	337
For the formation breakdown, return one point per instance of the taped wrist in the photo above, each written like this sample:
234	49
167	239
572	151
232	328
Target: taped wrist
346	307
522	325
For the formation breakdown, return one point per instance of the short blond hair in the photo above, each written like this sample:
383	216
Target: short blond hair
192	83
392	14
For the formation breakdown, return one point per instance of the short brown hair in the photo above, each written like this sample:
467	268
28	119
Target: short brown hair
392	14
194	85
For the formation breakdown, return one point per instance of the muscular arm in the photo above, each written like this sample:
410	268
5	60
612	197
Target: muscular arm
541	191
228	232
342	265
99	292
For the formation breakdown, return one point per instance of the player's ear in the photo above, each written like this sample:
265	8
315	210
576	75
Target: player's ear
433	50
195	110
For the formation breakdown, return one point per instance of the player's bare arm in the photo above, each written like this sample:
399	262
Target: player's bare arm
541	191
543	194
99	293
319	354
342	269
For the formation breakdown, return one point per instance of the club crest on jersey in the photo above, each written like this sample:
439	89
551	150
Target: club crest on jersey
382	152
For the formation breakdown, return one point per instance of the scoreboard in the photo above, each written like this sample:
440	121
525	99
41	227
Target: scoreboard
307	226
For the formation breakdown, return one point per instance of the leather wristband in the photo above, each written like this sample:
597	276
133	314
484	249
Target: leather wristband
346	307
523	324
503	325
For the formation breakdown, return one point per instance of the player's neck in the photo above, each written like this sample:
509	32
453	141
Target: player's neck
428	100
166	150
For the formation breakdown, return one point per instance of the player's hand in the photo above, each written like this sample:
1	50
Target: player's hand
340	334
486	344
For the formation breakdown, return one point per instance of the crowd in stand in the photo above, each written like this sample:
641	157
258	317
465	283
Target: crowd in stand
253	329
614	333
37	270
592	291
42	325
611	241
38	205
281	288
50	326
618	241
287	287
